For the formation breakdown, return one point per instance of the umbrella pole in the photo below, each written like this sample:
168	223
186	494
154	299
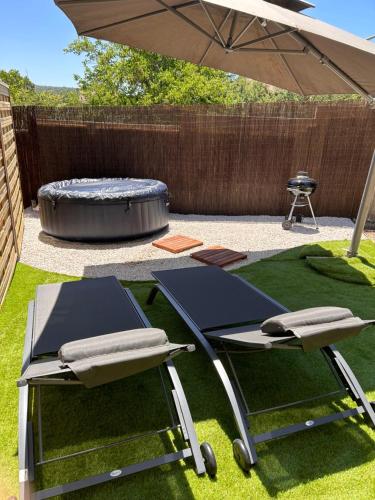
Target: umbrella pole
367	199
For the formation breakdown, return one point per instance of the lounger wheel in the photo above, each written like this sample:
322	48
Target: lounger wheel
241	455
287	225
209	459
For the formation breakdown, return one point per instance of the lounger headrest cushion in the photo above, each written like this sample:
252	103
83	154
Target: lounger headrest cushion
112	343
306	317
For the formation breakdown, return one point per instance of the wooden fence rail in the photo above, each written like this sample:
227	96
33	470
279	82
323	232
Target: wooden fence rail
215	159
11	205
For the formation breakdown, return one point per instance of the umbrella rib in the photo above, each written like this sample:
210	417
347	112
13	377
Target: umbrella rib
181	16
232	28
323	59
292	52
243	31
210	44
285	62
263	38
210	18
131	19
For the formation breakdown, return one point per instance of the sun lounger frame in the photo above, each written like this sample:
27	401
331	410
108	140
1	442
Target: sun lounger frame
181	421
346	380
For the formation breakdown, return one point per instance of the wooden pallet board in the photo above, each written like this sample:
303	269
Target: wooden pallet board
177	244
218	256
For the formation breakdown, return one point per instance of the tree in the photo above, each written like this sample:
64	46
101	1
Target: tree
21	87
23	92
116	74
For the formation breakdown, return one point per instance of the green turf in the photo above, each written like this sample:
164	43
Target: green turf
329	258
335	461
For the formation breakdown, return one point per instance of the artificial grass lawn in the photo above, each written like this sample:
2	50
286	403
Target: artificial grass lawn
334	461
329	258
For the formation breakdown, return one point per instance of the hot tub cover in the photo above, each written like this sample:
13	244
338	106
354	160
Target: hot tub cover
103	189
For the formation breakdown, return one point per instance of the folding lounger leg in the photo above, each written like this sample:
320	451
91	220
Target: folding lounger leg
25	452
24	472
244	449
183	409
350	381
187	419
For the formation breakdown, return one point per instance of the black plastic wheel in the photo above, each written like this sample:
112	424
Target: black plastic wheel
299	218
287	225
209	459
241	455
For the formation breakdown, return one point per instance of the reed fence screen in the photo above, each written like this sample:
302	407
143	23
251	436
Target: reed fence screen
11	206
215	159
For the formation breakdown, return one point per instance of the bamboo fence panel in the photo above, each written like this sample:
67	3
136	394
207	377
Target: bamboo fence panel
11	204
230	160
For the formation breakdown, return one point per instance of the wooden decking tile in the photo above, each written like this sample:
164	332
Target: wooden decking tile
177	244
218	256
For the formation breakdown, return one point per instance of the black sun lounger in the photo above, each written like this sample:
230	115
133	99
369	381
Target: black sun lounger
92	332
227	314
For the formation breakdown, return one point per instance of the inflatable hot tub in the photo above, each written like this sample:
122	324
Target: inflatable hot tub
103	209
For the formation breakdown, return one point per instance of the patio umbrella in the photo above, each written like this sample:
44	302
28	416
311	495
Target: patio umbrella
269	41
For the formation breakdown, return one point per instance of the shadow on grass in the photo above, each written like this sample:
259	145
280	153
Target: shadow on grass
75	418
333	262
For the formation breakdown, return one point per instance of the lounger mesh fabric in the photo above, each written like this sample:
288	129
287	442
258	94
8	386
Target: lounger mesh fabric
96	332
77	310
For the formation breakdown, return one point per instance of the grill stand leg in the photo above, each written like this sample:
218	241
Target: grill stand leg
312	212
290	216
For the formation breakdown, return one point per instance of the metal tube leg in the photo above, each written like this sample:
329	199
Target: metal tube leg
312	212
23	453
367	198
152	295
293	207
188	421
354	388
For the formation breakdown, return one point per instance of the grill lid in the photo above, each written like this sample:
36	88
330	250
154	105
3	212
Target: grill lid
302	182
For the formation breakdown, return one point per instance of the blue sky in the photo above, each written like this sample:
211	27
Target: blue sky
35	32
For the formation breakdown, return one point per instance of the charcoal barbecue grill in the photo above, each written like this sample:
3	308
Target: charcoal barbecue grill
301	187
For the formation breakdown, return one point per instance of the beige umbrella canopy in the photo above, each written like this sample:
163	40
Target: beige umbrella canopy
268	41
253	38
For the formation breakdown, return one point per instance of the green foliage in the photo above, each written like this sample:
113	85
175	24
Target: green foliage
119	75
24	93
115	74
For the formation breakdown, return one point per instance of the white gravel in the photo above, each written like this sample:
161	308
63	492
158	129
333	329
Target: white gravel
257	236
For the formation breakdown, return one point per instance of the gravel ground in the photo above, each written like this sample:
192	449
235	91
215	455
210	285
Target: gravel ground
257	236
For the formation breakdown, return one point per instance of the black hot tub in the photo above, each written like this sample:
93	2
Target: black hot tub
103	209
